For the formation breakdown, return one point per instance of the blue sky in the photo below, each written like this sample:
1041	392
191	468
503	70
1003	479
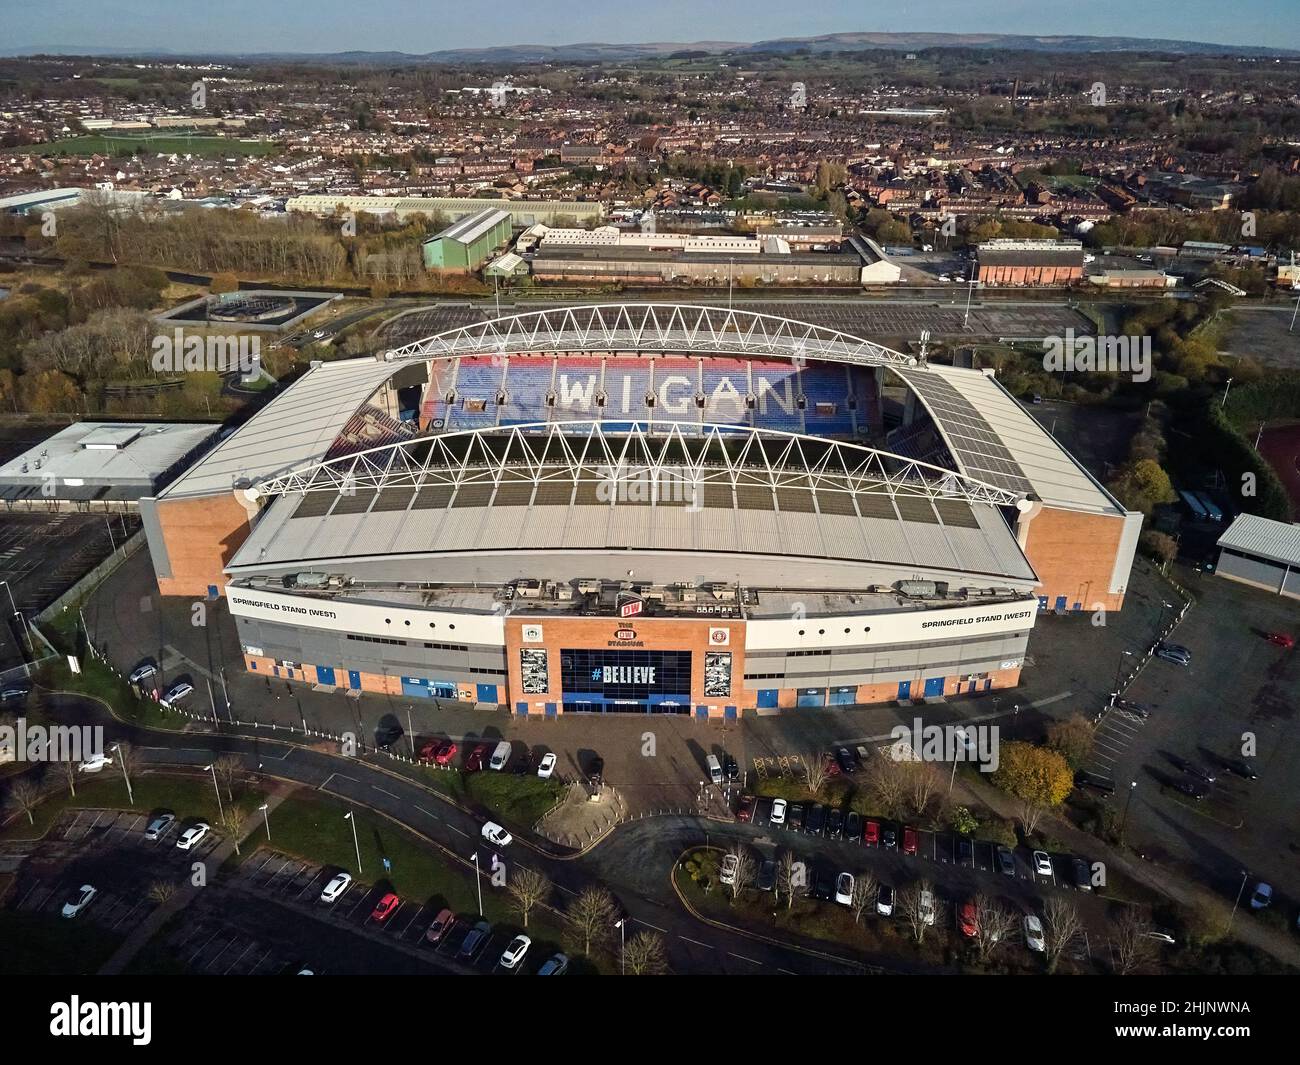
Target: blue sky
430	25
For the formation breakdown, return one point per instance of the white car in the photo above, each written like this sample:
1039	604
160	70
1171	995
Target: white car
193	836
142	672
925	907
176	693
844	889
514	954
84	895
496	835
885	901
158	826
336	887
547	765
1034	934
95	763
778	811
1042	863
730	863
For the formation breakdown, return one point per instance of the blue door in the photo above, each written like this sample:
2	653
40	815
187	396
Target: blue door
521	709
487	693
415	686
904	689
551	710
1060	602
812	697
933	687
325	675
843	696
1042	602
988	684
729	712
354	680
768	697
214	593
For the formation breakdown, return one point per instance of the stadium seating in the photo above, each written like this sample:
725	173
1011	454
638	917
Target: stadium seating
776	391
827	388
368	427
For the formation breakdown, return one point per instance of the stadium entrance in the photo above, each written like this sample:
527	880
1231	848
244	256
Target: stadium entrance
625	682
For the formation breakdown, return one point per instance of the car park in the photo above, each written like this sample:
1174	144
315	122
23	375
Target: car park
853	827
338	884
193	836
555	965
1034	938
476	758
889	837
925	907
440	927
500	756
965	851
909	840
730	863
1042	863
823	885
515	952
385	908
157	828
176	693
885	900
834	823
546	767
95	763
745	808
871	833
143	672
766	875
794	817
1137	709
474	939
1081	871
80	900
844	889
846	761
1006	861
1262	897
815	819
778	812
496	835
1094	781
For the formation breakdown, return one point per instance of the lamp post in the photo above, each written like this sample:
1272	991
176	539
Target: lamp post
1119	668
622	945
266	818
970	287
1244	873
1224	402
117	749
221	813
961	732
1123	821
348	817
478	882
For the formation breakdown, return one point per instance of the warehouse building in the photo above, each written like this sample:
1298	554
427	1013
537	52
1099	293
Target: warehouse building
1029	262
466	245
522	212
1262	553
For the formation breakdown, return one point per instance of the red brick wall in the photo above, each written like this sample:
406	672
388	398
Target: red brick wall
201	536
1074	555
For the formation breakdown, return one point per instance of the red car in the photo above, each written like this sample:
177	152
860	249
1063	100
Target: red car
441	924
966	918
476	758
446	752
429	751
745	810
909	841
386	908
832	766
871	834
1282	639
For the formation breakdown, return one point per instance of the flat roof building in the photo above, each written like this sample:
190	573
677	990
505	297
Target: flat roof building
1263	553
467	244
522	212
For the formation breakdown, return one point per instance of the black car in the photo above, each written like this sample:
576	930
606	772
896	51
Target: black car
767	875
730	769
1137	709
1191	788
1240	768
823	885
889	837
597	771
1082	873
387	735
1206	776
965	852
762	811
853	827
1094	781
847	762
1006	861
794	817
815	820
835	824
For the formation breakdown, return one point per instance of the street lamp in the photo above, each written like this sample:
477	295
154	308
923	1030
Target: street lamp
266	817
1244	873
478	882
961	733
622	944
348	817
1132	787
1119	668
213	770
117	749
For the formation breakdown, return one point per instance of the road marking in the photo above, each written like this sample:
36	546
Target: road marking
743	958
427	813
383	791
461	831
706	946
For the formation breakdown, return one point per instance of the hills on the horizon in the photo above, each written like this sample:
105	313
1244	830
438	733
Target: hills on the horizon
591	51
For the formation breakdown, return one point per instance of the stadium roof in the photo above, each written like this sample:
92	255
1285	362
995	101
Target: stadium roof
1264	538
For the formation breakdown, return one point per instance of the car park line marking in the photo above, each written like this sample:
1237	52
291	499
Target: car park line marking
461	831
743	958
706	946
251	944
428	813
382	791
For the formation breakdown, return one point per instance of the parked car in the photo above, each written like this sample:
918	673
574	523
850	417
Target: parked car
925	907
546	767
157	828
555	965
844	889
143	672
1042	863
853	826
1282	639
80	900
476	758
763	811
730	769
1034	938
500	756
193	836
1094	781
730	863
910	840
496	835
965	852
1193	789
596	771
385	735
967	919
766	880
1173	653
445	753
95	763
745	808
778	812
794	817
10	694
832	766
871	833
515	952
1006	861
385	908
864	755
1137	709
441	925
474	939
1192	769
1161	935
823	885
338	884
885	901
1082	873
176	693
428	752
815	821
889	838
1240	768
846	760
834	823
1262	897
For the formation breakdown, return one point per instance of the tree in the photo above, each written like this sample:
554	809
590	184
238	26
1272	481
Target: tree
887	782
645	954
223	282
528	888
745	868
592	914
69	770
1038	776
1061	927
1160	546
815	775
865	890
1073	738
233	820
226	768
994	924
790	876
1131	945
920	917
22	798
161	890
52	392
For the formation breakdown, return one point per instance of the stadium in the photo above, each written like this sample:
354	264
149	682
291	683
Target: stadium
642	508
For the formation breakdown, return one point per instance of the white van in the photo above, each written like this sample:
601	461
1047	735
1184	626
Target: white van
715	768
500	756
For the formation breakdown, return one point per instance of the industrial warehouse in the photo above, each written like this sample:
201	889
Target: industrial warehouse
582	509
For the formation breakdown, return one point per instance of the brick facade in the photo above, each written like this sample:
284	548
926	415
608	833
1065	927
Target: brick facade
201	535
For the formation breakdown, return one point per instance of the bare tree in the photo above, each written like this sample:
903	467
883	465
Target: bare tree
161	890
886	782
528	888
645	954
746	868
924	782
233	820
227	768
920	908
814	768
69	770
592	914
994	924
23	797
1061	926
865	890
1131	944
790	876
